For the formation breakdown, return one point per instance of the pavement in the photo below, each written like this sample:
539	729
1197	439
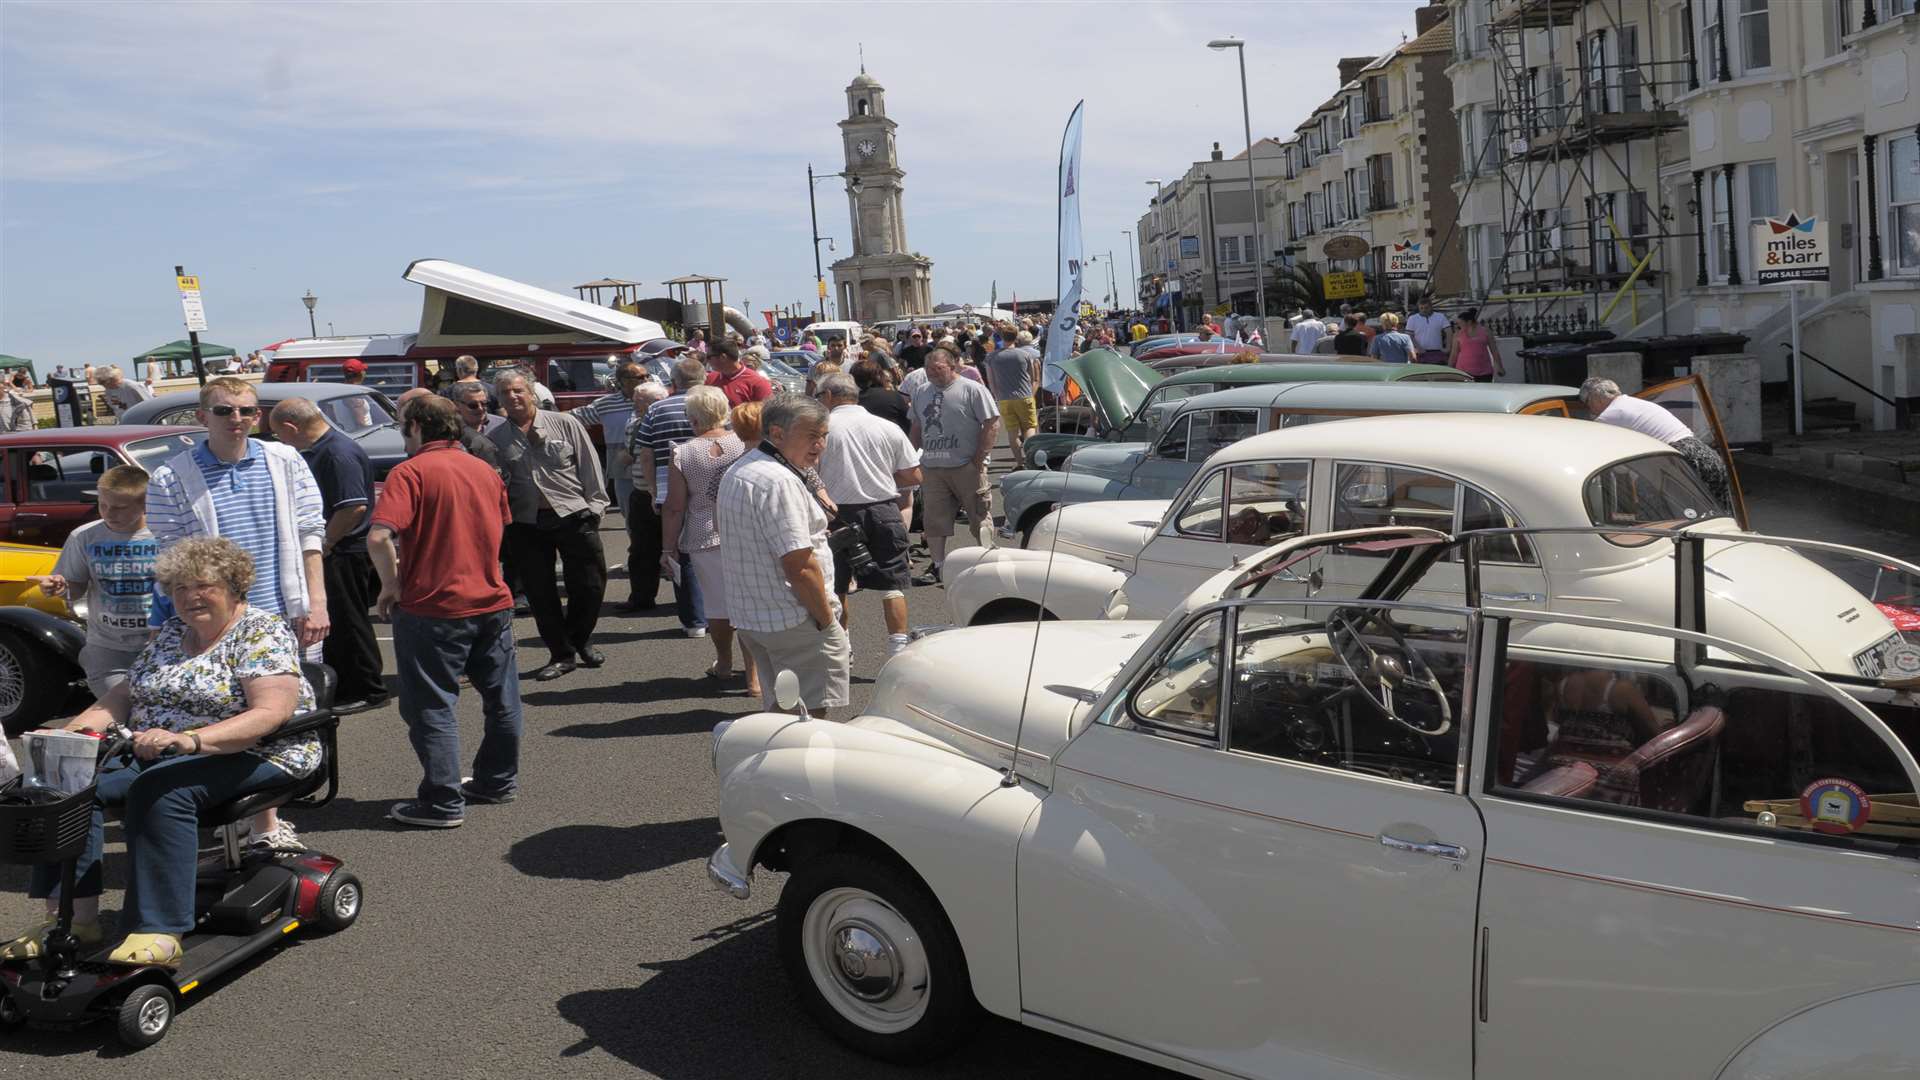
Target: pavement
571	933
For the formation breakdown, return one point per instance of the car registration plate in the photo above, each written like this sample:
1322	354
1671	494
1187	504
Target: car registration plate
1889	658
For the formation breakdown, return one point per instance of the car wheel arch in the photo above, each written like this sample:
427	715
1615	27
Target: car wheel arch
1010	609
787	845
1031	520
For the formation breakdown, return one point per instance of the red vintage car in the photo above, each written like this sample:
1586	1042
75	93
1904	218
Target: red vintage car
48	477
1191	348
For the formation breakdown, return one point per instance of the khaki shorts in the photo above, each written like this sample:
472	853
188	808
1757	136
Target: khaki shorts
1019	414
821	658
949	490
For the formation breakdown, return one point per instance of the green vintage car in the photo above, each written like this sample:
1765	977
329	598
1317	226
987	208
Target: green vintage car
1125	398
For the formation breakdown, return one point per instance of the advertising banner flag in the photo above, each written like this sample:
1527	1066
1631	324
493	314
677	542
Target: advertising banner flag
1060	337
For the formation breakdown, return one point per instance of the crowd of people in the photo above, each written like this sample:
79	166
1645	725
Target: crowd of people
214	579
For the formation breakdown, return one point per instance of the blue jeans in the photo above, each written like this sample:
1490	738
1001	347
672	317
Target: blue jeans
686	596
431	655
161	803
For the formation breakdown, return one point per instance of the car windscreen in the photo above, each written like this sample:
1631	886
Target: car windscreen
772	366
150	454
355	414
1659	489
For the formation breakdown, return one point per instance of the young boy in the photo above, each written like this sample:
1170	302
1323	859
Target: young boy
110	561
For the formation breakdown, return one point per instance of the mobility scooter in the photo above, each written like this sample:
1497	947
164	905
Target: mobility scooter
247	901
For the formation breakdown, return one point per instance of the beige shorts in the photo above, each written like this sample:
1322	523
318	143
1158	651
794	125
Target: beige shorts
821	658
949	490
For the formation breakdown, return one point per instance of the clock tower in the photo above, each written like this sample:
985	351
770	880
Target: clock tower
883	278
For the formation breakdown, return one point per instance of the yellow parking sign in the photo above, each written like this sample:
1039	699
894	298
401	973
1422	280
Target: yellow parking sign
1345	285
189	283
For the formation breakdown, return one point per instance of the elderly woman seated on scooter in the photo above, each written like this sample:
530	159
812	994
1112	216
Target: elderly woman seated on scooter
203	700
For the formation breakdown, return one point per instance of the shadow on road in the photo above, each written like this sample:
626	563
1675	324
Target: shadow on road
735	995
609	852
686	722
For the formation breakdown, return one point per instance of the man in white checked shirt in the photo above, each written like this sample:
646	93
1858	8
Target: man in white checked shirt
773	551
263	497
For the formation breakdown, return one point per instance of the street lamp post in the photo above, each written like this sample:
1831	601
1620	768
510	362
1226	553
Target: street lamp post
813	214
1112	300
819	276
1131	244
1160	230
311	300
1253	190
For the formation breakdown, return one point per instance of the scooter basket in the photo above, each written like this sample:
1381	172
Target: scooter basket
45	832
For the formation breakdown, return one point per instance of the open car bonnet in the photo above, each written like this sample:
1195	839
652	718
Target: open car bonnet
963	689
1114	384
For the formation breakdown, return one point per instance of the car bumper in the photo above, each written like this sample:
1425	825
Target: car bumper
721	871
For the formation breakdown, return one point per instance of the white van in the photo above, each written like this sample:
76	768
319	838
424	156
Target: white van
845	332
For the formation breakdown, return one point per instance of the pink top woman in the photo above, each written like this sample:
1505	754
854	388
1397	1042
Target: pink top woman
1474	349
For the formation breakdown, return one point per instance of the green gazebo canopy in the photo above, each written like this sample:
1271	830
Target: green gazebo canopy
180	350
8	363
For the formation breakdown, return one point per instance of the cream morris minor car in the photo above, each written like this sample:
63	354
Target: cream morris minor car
1447	472
1367	837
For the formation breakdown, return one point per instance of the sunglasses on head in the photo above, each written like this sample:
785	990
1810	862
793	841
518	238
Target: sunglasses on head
228	410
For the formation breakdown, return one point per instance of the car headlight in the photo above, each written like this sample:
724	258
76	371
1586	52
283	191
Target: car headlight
719	732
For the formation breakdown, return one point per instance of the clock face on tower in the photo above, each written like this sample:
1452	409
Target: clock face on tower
866	148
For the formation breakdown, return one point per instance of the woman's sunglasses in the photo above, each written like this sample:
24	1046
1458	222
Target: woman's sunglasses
224	411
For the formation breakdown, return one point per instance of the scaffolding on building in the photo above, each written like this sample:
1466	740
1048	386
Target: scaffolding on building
1581	103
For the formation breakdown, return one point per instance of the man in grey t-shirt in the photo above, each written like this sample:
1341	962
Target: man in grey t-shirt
1012	372
955	424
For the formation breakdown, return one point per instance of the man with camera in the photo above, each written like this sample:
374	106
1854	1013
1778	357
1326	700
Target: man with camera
867	462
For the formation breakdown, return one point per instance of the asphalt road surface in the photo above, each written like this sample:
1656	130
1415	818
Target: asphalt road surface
571	933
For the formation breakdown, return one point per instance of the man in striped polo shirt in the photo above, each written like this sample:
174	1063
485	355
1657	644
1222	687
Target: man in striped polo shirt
262	496
664	427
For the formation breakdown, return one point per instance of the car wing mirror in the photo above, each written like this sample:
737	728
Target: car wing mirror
1365	494
786	692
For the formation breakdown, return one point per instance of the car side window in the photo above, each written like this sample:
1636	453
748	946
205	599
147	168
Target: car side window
1371	495
178	417
1200	517
1267	502
1374	691
1217	429
1173	445
66	473
1795	763
1478	510
1182	695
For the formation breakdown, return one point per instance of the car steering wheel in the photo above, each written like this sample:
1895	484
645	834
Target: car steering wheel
1379	675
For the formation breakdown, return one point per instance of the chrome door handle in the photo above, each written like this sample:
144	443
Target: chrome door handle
1514	597
1449	852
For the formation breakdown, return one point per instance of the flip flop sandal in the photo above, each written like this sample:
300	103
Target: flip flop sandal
159	950
714	674
27	945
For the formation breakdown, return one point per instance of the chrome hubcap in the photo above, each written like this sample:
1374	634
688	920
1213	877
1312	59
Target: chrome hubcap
153	1015
13	683
866	959
346	901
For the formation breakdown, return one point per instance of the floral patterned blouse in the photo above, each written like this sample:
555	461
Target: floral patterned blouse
178	692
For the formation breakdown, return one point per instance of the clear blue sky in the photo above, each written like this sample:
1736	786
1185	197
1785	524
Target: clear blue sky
279	148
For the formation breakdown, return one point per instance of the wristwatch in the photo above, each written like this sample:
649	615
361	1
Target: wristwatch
195	736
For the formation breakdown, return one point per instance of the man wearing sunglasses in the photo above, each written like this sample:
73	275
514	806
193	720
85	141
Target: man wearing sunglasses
263	497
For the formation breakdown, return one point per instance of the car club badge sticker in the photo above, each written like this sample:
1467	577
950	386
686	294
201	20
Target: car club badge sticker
1835	806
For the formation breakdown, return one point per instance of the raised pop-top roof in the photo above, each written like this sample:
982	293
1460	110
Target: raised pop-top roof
363	346
520	312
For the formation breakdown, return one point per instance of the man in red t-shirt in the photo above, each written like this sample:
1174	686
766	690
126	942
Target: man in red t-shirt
739	382
452	614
